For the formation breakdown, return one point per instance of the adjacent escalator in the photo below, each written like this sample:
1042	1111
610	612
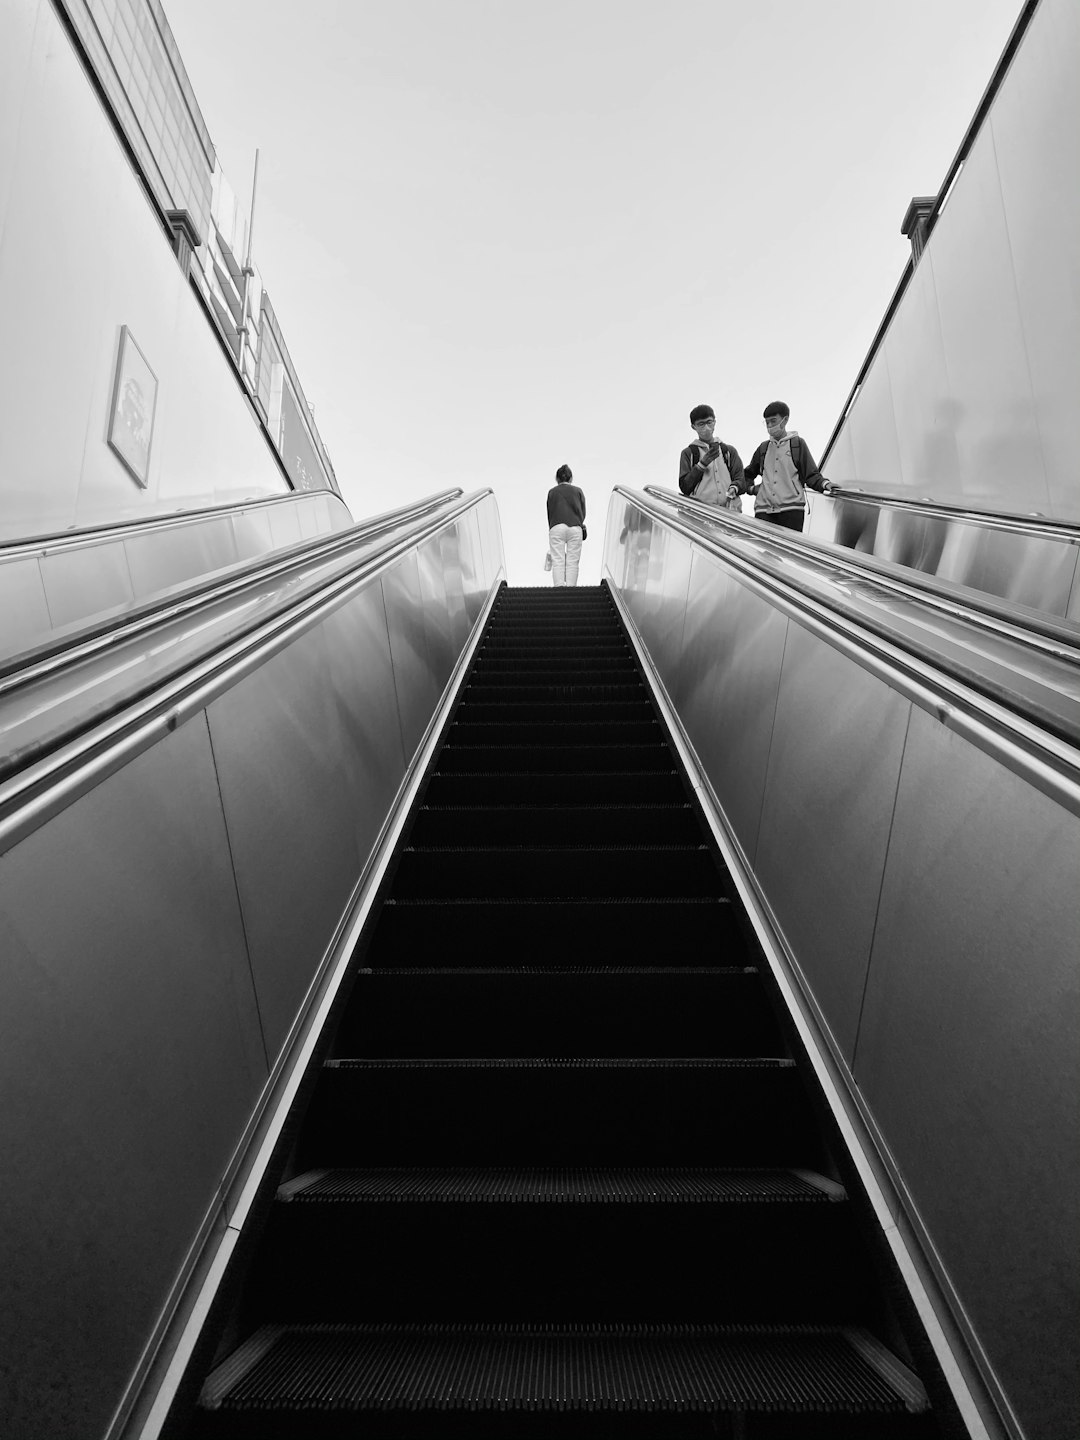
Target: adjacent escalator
561	1170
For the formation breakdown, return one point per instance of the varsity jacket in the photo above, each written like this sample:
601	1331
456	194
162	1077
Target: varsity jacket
776	491
691	469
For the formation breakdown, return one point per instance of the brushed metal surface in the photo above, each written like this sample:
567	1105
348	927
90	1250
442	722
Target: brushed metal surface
449	542
307	749
284	526
161	559
24	613
729	673
968	1051
130	1058
1001	263
663	606
925	412
873	427
996	428
414	681
1035	124
833	764
440	647
251	532
98	578
1040	571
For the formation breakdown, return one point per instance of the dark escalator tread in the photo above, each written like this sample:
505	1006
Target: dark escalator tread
587	824
662	1370
606	1011
556	871
561	732
610	931
553	1112
544	759
522	787
582	1184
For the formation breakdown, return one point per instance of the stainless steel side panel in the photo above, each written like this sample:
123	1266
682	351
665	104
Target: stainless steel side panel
728	671
24	611
1030	569
100	573
414	677
968	1053
308	753
833	765
130	1057
930	896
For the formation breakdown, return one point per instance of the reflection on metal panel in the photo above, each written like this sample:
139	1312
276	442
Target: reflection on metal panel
160	560
24	612
1040	571
281	742
69	576
834	759
983	347
414	681
968	1051
131	1041
433	601
729	671
929	890
88	576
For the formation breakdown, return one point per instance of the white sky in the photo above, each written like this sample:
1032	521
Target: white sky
501	235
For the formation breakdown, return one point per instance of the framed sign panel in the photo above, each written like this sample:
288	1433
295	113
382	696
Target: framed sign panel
131	420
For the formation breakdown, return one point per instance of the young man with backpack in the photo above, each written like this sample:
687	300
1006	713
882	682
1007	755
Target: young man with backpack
787	470
709	470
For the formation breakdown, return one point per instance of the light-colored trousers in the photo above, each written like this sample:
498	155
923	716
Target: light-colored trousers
564	542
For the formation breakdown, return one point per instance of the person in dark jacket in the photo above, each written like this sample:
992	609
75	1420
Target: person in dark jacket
786	470
710	470
566	527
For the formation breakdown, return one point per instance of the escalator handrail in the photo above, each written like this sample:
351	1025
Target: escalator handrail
57	653
1039	527
951	690
162	520
1058	638
46	774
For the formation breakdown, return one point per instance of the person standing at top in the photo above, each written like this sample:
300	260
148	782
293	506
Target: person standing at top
566	527
786	468
710	470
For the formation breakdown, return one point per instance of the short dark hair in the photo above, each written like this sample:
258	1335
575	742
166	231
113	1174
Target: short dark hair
564	474
702	412
775	407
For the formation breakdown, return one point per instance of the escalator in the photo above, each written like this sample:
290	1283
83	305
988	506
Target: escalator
559	1167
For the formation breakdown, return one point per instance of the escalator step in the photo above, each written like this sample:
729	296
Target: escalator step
686	1185
743	1113
627	691
588	824
465	787
610	1012
492	710
522	932
554	670
657	1369
686	1246
552	759
547	730
570	871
